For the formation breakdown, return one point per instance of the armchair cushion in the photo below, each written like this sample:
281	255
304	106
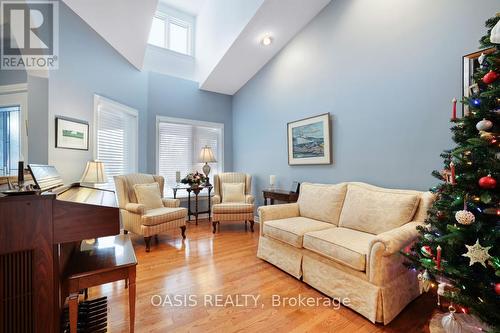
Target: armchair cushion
233	192
148	195
346	246
292	230
135	208
374	210
321	202
232	208
162	215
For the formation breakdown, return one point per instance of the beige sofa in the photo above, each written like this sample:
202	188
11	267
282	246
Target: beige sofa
344	240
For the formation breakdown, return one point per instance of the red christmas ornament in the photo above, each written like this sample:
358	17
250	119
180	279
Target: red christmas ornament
440	215
490	77
497	288
487	183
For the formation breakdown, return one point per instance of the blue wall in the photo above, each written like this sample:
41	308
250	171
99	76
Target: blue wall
174	97
385	70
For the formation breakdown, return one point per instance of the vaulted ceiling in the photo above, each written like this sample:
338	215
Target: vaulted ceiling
229	32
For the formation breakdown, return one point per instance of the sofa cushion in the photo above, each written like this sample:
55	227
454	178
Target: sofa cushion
232	207
233	192
321	202
292	230
376	210
346	246
162	215
148	195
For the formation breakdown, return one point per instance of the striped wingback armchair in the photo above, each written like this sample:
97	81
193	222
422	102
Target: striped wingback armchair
223	210
138	219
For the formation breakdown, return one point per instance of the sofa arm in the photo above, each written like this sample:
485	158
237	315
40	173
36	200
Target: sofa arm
135	208
277	212
249	199
384	260
215	199
396	239
171	203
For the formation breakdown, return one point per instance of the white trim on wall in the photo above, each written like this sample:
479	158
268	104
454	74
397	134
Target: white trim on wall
13	88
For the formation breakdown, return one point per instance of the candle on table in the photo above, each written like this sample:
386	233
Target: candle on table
454	112
20	171
272	180
438	258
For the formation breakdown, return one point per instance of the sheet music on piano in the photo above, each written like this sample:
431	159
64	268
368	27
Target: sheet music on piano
46	177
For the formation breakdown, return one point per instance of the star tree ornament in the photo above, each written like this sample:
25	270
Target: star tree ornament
477	253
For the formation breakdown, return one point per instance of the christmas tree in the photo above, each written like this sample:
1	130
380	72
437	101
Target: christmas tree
460	242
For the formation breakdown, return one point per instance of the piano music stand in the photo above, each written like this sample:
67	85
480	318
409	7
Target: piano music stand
109	259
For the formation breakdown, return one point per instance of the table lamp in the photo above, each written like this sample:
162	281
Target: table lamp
94	173
207	156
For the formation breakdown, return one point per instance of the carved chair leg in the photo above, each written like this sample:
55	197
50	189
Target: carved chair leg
246	225
214	225
148	243
183	232
125	231
251	225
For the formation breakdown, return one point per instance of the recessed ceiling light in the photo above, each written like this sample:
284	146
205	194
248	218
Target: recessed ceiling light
267	40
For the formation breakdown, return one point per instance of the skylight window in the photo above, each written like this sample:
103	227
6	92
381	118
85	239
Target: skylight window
171	33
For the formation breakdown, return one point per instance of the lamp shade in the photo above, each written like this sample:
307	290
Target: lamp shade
207	155
94	173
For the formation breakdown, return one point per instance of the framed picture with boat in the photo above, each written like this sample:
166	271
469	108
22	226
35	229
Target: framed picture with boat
309	141
72	133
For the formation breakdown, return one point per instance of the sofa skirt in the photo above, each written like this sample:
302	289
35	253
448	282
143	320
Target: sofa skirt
377	303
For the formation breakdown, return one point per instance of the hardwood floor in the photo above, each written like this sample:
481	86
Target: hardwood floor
226	264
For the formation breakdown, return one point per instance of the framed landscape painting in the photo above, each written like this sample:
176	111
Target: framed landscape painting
309	141
72	134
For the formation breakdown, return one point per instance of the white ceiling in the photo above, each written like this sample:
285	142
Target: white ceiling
282	19
124	24
191	7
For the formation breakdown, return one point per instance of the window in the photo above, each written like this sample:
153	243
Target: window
115	138
171	33
9	139
13	124
179	143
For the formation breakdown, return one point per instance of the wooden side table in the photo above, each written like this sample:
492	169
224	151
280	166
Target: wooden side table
106	260
196	191
280	195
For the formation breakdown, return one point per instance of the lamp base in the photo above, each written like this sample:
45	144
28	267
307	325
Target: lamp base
206	170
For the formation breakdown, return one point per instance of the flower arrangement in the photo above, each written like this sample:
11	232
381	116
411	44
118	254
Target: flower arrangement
194	178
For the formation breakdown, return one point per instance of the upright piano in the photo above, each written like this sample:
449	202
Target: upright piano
38	234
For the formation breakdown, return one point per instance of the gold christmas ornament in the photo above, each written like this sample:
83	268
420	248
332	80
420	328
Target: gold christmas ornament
477	253
486	135
465	217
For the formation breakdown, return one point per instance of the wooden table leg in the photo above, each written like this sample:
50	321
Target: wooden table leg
131	297
73	312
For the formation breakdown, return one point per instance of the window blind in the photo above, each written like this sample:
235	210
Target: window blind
116	141
179	146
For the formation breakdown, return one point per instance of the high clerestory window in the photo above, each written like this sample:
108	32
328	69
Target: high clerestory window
171	33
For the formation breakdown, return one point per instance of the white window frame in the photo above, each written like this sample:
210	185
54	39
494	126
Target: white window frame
100	100
184	121
17	94
168	18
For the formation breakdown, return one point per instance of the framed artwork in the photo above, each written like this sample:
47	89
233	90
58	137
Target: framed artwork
309	141
72	134
469	64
